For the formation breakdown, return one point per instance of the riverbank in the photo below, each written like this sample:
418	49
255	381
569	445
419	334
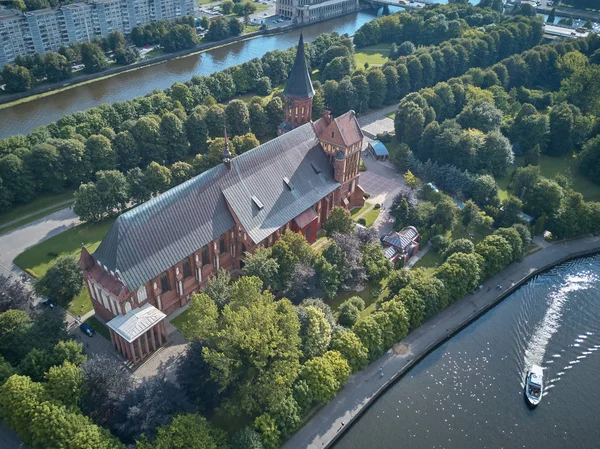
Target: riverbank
365	387
46	90
7	101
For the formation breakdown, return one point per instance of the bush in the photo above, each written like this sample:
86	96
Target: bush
362	221
348	314
366	196
377	206
362	168
358	302
30	272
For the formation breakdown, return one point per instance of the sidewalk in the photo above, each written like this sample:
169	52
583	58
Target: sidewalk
36	213
363	388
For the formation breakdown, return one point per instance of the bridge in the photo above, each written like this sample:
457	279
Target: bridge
408	4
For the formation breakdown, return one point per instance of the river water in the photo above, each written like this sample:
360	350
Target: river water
22	118
468	393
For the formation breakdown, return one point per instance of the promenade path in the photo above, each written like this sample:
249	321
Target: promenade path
14	242
365	386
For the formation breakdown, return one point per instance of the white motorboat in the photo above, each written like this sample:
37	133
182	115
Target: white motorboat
534	385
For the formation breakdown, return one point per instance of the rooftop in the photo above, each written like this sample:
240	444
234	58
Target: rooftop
299	84
136	322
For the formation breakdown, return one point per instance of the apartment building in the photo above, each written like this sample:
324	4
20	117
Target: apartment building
47	29
307	11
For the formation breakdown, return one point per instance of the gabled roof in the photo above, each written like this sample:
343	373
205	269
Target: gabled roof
136	322
299	84
343	130
401	239
154	236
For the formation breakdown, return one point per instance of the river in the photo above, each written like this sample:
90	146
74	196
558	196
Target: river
469	391
22	118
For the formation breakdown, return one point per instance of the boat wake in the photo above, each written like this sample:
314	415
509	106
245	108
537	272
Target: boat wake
537	345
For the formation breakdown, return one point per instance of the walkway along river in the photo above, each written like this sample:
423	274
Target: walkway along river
364	388
22	118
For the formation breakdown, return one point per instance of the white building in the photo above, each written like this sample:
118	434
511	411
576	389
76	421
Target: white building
47	29
307	11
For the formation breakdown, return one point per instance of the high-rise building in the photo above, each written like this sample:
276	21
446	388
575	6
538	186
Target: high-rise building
307	11
46	30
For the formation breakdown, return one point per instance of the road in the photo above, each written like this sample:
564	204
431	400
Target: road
562	31
363	388
14	242
9	439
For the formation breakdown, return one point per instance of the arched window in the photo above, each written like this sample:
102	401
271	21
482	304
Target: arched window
164	282
186	268
127	307
141	294
222	247
204	255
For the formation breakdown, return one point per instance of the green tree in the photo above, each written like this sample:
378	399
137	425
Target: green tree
339	220
173	137
65	385
157	178
377	266
63	280
138	191
377	87
179	37
215	121
88	203
275	114
226	7
315	332
544	198
350	347
262	265
398	313
325	375
268	431
187	431
197	132
258	119
413	304
370	333
43	162
99	154
247	438
56	66
238	117
459	246
588	159
126	151
495	156
68	351
92	57
338	68
235	26
16	78
113	189
496	252
259	370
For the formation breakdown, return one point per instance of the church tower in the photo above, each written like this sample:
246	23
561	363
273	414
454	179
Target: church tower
298	93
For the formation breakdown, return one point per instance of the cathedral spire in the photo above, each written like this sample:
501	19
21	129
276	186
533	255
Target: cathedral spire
299	85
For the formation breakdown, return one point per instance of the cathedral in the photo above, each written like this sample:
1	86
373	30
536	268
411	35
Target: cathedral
158	254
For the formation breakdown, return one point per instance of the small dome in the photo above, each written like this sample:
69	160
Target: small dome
340	156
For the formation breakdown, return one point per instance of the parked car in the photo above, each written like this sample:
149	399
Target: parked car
87	329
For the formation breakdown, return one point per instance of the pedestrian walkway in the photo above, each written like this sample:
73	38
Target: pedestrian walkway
364	387
36	213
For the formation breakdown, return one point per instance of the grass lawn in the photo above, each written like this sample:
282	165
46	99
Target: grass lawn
250	29
155	53
34	207
370	295
179	320
552	166
391	115
359	210
374	55
98	327
42	256
371	216
429	261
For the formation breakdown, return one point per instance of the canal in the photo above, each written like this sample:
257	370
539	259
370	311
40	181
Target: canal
24	117
469	391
